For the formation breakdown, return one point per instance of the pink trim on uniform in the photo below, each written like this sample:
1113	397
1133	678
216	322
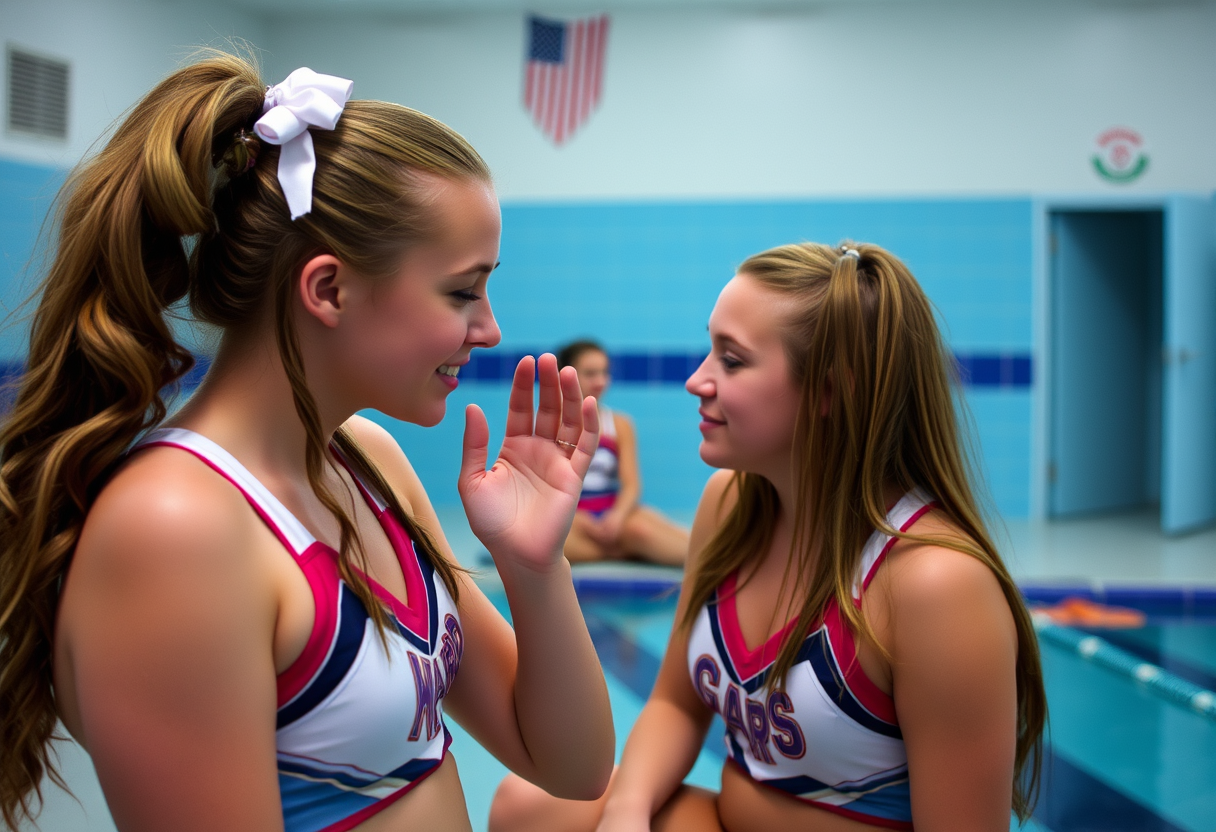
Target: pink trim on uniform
872	697
350	822
248	497
748	662
919	513
872	820
844	645
319	568
413	613
597	503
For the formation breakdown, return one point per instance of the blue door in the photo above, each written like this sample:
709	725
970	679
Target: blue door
1106	347
1188	484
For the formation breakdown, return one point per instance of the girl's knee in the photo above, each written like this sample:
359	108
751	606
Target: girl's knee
516	804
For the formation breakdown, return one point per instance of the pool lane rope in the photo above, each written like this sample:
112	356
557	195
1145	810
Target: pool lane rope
1102	652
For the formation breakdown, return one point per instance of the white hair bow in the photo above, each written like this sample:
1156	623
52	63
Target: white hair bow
305	99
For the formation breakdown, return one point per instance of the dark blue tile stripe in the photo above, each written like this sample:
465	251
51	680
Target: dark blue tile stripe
1003	370
1184	601
1006	371
1071	799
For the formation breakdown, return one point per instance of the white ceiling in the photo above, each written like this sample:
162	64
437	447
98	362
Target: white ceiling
552	7
431	8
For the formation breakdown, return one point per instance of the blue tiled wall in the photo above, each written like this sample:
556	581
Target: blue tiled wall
26	192
642	279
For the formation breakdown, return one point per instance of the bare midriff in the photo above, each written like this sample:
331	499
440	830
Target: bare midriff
436	804
746	806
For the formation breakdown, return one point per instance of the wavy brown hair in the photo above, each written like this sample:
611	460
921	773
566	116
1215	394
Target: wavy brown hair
867	320
152	219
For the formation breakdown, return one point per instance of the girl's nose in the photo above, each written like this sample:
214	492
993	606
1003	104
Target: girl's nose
483	329
699	383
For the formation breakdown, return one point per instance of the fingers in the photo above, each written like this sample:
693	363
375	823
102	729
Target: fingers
519	413
571	401
549	413
589	440
475	452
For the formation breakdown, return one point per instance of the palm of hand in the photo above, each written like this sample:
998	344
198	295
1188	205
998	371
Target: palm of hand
522	508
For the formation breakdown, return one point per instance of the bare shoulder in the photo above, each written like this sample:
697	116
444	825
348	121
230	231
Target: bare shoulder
166	508
390	459
622	421
935	588
937	571
167	566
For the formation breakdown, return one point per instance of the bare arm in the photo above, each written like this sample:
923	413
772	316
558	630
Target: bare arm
628	472
953	649
524	693
164	647
667	737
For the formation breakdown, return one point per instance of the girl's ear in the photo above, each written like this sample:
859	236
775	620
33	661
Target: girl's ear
323	290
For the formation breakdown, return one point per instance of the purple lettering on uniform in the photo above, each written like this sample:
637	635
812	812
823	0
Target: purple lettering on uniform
426	711
443	668
453	629
757	731
451	654
787	733
707	677
732	713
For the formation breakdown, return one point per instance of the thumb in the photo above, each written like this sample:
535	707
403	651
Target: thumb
475	450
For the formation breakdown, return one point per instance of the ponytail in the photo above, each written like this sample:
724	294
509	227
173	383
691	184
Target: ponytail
101	351
181	203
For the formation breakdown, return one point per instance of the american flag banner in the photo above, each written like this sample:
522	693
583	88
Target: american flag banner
565	73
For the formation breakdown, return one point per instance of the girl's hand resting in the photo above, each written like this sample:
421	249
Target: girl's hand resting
522	507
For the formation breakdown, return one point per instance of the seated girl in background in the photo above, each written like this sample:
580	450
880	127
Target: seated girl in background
610	522
843	609
248	615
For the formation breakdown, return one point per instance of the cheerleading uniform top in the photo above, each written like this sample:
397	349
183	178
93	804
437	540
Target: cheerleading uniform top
829	736
602	482
356	727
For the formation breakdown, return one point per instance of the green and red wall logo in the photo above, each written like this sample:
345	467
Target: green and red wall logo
1119	155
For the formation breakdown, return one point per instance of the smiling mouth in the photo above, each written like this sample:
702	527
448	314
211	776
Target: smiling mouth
449	370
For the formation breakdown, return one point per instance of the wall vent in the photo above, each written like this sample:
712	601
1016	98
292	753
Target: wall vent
37	94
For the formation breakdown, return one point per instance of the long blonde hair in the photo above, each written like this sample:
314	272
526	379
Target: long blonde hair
162	213
863	329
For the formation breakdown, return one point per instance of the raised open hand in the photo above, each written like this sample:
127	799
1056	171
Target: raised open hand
522	507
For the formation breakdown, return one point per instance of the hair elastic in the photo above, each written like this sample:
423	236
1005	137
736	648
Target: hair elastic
852	252
242	154
305	99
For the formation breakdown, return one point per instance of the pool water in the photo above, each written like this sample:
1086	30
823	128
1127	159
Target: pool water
1119	756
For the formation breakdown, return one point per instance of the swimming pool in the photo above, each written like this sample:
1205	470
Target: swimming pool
1120	756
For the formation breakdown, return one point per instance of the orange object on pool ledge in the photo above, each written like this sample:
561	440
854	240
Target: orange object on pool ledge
1082	612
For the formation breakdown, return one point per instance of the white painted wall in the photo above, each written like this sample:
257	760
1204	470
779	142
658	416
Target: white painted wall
845	99
118	50
899	99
